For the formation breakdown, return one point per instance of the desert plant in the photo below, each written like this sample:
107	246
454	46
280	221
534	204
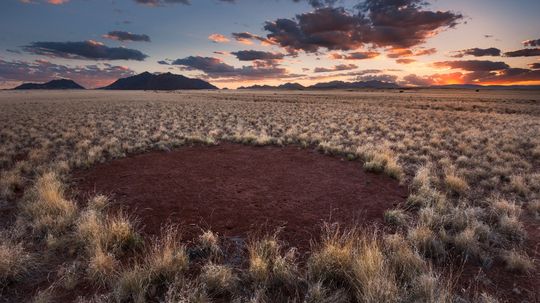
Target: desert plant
15	261
395	217
47	208
516	261
218	279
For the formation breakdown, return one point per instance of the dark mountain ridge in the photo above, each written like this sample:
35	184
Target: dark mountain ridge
166	81
54	84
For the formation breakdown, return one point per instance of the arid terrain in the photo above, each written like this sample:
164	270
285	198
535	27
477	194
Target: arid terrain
270	196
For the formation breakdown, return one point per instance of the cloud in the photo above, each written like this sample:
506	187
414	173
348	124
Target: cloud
406	52
248	38
252	55
535	65
401	52
43	71
527	52
319	3
531	42
381	23
478	52
339	67
164	2
218	38
405	61
435	79
54	2
216	68
378	77
126	36
502	77
425	52
472	65
355	55
512	75
84	50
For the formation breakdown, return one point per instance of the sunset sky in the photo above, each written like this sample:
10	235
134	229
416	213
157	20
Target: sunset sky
243	42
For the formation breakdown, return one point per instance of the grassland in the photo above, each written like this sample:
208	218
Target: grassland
471	161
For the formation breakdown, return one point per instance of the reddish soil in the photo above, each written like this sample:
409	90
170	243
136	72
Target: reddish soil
235	190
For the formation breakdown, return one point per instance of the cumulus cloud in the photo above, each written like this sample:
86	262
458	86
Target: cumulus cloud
339	67
84	50
473	65
534	42
126	36
355	55
218	38
381	23
43	71
252	55
527	52
248	38
216	68
478	52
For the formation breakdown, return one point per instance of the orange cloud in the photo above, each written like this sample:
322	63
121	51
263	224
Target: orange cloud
57	2
218	38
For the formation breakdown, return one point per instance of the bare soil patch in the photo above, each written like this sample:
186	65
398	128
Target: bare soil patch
235	190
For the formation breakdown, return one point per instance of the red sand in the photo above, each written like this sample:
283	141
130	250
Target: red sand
236	189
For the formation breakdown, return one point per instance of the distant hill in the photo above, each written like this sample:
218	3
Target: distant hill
353	85
166	81
54	84
291	86
329	85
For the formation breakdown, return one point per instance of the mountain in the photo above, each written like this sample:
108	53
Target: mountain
289	86
353	85
258	87
328	85
54	84
292	86
167	81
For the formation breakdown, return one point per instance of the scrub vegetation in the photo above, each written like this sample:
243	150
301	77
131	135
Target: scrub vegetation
470	160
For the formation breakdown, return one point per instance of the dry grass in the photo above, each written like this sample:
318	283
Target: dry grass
218	279
470	164
516	261
15	261
48	209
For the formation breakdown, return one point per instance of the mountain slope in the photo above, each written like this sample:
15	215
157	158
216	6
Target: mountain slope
167	81
54	84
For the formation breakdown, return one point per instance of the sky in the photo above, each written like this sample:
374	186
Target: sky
233	43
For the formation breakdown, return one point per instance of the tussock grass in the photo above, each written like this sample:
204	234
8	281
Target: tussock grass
269	266
456	184
516	261
218	279
101	267
15	261
427	242
395	217
47	208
